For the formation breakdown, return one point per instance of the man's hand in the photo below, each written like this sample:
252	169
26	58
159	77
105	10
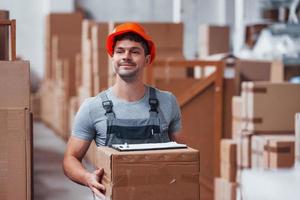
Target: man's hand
93	181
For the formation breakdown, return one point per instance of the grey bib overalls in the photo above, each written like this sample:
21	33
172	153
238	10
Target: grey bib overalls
135	131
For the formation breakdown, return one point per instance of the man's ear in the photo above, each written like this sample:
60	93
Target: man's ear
148	59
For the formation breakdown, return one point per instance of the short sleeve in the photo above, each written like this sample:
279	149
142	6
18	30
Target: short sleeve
83	126
175	123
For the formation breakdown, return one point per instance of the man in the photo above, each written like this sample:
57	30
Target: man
129	111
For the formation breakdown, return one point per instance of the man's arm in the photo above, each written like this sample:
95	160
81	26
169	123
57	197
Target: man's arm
73	168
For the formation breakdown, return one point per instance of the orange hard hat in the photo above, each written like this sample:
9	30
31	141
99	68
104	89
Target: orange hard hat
130	27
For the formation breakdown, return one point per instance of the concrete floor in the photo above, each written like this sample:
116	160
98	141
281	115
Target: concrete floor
49	181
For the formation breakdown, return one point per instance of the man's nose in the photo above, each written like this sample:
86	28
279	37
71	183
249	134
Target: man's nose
127	55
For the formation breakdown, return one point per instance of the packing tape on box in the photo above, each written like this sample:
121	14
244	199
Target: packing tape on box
277	149
284	132
256	90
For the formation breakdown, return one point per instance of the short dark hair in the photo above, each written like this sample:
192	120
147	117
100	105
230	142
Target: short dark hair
133	37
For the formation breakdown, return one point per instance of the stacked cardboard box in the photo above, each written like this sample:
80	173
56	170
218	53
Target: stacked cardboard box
272	151
74	106
4	30
265	108
94	59
228	159
236	71
244	150
213	39
225	190
256	70
59	24
16	131
297	132
270	107
63	44
155	174
236	116
225	186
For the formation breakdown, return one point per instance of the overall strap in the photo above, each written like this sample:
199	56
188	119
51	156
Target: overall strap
153	102
107	105
154	105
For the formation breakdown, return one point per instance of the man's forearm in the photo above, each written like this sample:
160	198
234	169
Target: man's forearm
74	169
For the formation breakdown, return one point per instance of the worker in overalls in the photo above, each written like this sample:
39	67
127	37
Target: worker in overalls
128	112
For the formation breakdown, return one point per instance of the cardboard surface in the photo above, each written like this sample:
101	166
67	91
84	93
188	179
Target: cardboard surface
279	152
161	174
14	84
256	70
213	39
15	154
264	152
228	159
225	190
4	37
60	24
270	107
244	150
236	116
297	132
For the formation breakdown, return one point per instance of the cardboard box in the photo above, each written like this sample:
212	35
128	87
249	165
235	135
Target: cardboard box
279	152
15	154
225	190
297	132
64	51
74	106
244	150
228	159
270	107
156	174
213	40
100	60
4	37
60	24
237	121
262	156
257	70
14	84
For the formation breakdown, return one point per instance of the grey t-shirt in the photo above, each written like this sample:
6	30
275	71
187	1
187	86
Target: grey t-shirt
90	121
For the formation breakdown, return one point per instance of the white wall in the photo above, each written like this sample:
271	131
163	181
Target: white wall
197	12
30	18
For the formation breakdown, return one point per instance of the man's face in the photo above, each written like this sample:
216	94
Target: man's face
129	60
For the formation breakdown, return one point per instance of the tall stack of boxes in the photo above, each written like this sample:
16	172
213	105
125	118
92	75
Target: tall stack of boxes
15	129
225	185
63	34
4	32
94	59
297	132
269	109
263	125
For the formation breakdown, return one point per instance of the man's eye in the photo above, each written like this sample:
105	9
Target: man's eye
118	51
135	52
